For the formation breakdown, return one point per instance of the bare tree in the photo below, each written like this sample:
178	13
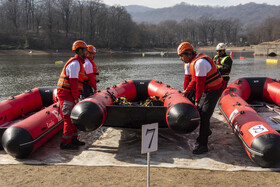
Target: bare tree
101	30
212	26
167	32
49	15
116	14
188	31
56	23
202	29
80	17
66	10
93	10
28	6
12	12
38	16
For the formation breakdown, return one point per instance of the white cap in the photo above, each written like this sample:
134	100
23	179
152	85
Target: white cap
221	46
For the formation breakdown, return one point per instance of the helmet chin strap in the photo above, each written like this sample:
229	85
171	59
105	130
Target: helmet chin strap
192	56
80	53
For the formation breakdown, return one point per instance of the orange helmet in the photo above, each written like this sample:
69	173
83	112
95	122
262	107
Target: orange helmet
183	47
78	44
91	49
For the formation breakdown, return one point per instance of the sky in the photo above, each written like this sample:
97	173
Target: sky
169	3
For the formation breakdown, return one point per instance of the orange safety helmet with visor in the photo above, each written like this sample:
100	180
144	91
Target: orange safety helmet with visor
91	49
184	47
78	44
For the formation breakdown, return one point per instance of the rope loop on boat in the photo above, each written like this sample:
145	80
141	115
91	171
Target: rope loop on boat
121	101
151	101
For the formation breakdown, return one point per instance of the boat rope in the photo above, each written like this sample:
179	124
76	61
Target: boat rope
248	148
150	100
122	101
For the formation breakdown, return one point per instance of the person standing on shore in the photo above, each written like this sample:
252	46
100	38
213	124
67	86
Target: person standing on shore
224	63
69	88
91	71
207	81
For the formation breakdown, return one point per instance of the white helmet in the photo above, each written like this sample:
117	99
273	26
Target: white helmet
221	46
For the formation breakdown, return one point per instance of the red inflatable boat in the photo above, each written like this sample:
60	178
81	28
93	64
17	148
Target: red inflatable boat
28	120
259	139
174	110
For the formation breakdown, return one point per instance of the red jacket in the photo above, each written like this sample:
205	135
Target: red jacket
91	77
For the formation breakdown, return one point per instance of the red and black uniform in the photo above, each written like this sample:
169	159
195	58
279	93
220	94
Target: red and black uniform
68	92
224	63
90	78
208	90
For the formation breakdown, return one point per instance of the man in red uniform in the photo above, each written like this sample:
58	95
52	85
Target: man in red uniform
202	74
91	72
69	88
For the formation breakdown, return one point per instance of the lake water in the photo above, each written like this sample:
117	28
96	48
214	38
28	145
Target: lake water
18	73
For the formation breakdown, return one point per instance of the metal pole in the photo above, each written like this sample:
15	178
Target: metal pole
148	169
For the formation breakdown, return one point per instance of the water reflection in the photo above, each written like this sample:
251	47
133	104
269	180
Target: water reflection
19	73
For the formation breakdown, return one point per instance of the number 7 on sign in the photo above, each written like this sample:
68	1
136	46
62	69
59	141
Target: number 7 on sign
150	131
149	138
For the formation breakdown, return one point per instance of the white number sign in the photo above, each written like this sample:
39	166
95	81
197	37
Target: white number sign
149	138
257	130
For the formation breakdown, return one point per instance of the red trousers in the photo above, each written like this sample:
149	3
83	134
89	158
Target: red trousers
66	102
225	83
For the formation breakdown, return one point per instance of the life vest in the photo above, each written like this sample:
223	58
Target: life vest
94	70
220	61
63	81
213	77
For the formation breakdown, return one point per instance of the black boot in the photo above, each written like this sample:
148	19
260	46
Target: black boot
200	149
77	142
68	146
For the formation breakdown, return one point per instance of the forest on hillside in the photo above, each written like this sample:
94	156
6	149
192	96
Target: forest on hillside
55	24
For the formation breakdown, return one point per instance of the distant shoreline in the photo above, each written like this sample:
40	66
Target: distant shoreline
231	48
65	52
